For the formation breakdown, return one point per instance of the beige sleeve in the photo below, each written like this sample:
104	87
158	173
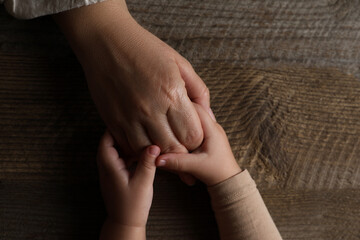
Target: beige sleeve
26	9
240	211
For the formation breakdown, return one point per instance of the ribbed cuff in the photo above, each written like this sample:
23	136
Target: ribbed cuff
233	189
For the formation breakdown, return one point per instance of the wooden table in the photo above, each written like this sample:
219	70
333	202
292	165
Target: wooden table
284	82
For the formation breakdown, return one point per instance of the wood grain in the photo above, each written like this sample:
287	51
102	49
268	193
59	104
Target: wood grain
261	33
284	84
62	211
293	127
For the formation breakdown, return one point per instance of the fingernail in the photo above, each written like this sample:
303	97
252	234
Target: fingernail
161	162
154	151
211	114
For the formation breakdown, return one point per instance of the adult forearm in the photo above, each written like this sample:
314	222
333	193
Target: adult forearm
84	26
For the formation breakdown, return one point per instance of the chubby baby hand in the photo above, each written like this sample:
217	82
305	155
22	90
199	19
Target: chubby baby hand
127	194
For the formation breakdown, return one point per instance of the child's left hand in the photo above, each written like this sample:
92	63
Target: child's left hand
127	196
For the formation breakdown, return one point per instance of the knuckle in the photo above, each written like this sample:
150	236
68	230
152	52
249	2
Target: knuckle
193	137
178	165
172	89
147	164
175	148
187	64
173	93
218	127
205	92
221	130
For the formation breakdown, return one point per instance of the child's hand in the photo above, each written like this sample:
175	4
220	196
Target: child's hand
212	162
127	195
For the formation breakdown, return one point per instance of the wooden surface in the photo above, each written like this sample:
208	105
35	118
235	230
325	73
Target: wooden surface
284	82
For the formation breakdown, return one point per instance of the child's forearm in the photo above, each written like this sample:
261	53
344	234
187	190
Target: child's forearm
114	231
240	211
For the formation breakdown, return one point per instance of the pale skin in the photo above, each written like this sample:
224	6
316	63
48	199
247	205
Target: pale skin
142	88
128	197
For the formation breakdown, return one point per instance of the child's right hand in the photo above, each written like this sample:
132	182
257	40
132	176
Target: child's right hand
211	163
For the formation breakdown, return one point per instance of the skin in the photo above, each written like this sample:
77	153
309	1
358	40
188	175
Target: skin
211	163
142	88
128	196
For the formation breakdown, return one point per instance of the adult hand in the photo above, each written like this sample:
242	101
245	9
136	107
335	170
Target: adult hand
143	89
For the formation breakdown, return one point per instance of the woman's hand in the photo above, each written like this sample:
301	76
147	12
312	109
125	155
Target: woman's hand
142	88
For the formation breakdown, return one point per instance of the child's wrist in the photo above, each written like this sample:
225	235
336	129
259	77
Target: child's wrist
115	230
138	224
226	174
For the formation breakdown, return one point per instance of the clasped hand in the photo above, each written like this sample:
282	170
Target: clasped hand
128	194
143	89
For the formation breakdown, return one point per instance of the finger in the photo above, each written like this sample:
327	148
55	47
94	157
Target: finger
137	138
122	141
106	149
209	126
145	170
188	179
108	158
178	162
161	134
195	86
106	140
185	124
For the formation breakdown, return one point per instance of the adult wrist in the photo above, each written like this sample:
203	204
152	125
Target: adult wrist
84	24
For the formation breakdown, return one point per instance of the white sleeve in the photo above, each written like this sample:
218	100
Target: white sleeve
26	9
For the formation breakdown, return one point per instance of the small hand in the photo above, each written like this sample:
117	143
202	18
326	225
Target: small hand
127	195
212	163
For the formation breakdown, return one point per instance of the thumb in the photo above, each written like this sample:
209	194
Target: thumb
195	86
178	162
145	170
